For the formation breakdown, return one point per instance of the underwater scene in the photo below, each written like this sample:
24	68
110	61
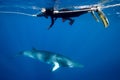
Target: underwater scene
59	39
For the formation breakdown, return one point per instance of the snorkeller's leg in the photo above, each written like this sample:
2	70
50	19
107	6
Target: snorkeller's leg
71	21
63	19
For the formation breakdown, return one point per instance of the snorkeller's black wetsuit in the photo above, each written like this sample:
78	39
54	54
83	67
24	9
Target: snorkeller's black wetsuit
46	13
65	14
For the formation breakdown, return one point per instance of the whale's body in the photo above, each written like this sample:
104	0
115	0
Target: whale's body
56	60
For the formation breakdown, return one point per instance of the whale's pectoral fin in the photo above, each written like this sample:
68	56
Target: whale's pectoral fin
56	66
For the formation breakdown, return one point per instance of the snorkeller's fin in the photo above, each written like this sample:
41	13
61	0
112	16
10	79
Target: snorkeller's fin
103	18
95	17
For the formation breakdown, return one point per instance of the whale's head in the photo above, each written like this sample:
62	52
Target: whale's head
27	53
34	53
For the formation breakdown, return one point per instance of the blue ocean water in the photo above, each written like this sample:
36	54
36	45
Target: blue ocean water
86	42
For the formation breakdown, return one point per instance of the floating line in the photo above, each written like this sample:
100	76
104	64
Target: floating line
10	12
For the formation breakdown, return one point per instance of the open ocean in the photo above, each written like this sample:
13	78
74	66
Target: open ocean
86	41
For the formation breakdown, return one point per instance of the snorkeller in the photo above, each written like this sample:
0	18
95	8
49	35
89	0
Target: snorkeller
54	15
67	14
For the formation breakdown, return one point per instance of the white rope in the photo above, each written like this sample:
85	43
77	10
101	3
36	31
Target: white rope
10	12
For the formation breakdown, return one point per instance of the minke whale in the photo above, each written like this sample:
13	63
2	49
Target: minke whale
56	60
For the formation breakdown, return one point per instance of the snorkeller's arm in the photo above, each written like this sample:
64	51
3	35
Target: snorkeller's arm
52	22
41	15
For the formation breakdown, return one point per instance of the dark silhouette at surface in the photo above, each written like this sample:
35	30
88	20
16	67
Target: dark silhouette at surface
67	14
